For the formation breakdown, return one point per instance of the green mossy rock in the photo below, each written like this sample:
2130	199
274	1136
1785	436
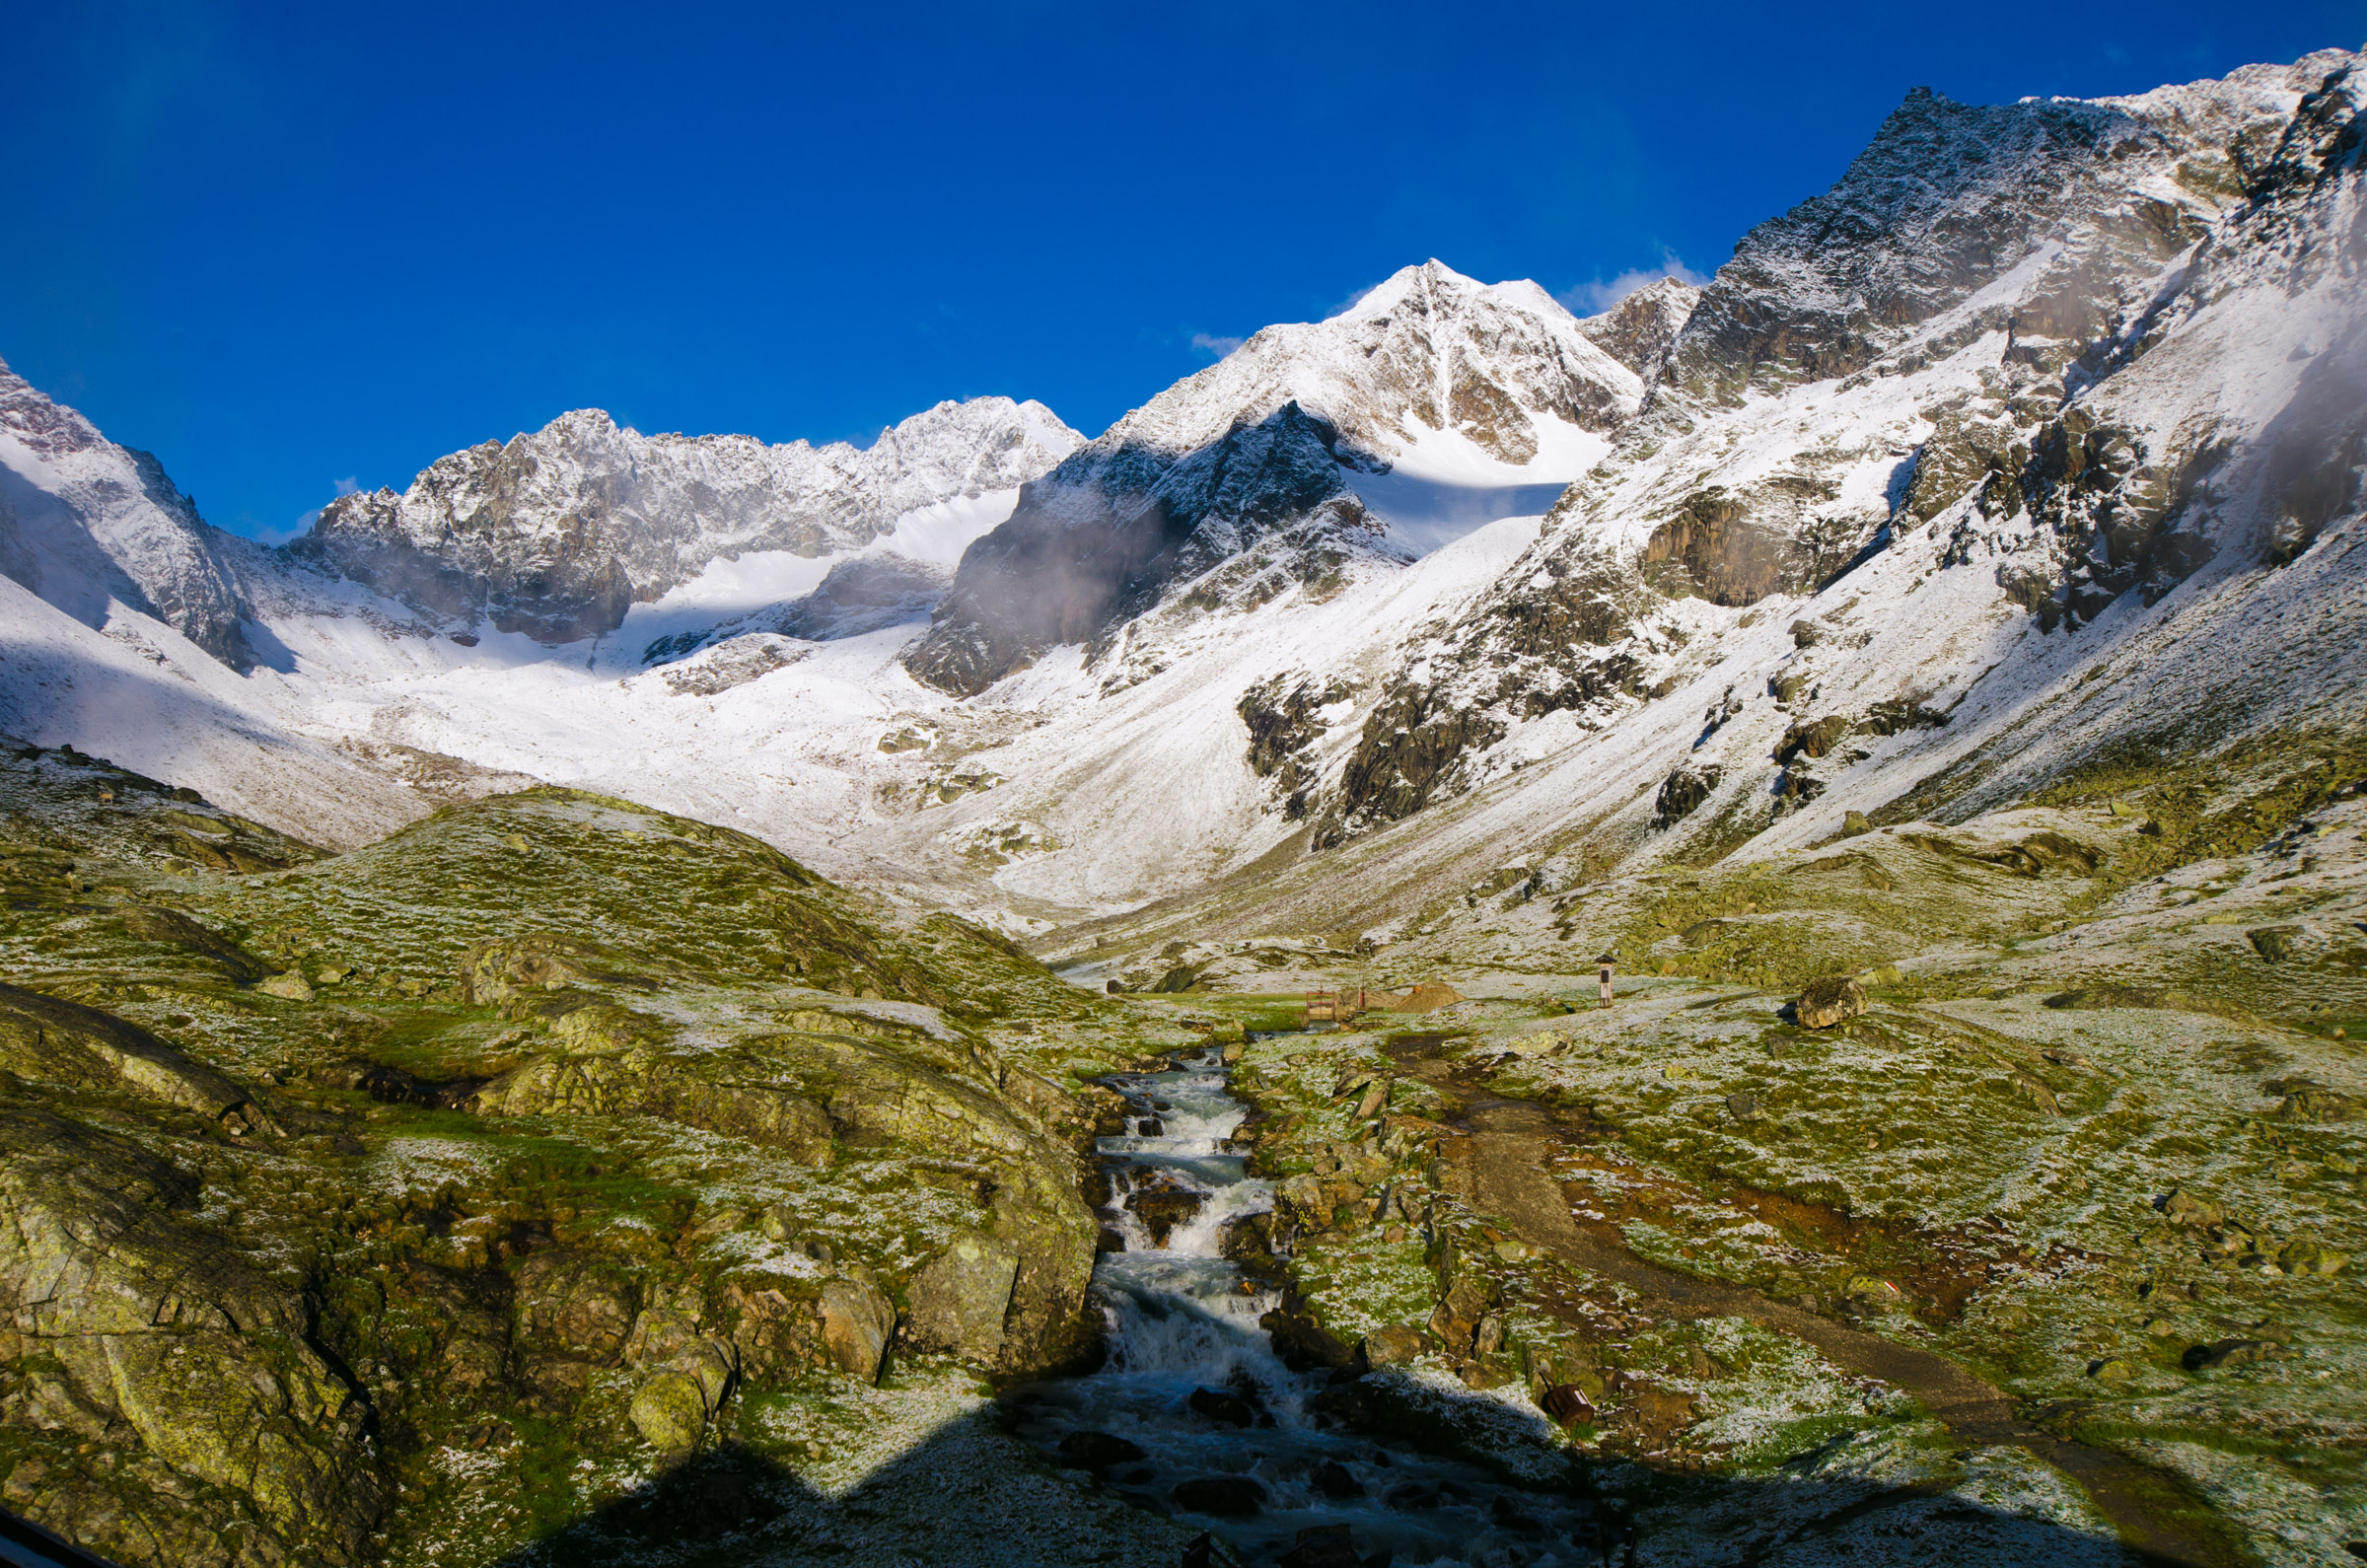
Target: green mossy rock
460	1250
959	1298
669	1412
51	1041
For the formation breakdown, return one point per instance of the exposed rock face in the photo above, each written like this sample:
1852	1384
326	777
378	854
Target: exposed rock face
1110	529
863	595
233	1317
1683	790
47	1040
1284	717
1262	449
2069	453
959	1296
856	1322
1560	635
1641	330
1944	197
558	533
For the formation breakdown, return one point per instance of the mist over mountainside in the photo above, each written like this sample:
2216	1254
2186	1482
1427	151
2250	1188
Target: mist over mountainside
662	998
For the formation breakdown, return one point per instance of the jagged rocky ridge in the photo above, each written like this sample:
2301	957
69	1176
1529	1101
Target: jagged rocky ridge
2001	656
1641	330
558	533
2096	354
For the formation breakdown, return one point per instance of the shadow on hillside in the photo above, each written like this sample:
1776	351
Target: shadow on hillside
972	1493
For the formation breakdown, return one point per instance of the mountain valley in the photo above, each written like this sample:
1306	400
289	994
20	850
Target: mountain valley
671	999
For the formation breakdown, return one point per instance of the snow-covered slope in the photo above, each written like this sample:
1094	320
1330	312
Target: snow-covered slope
1433	404
2051	444
558	532
84	521
2105	503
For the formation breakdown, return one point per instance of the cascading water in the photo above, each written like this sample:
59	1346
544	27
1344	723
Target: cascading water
1194	1415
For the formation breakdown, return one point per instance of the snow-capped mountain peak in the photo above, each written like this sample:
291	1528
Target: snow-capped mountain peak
1432	405
1641	329
556	532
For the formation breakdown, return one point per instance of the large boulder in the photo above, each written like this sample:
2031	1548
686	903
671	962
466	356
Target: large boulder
857	1321
692	1376
959	1298
1831	1000
669	1412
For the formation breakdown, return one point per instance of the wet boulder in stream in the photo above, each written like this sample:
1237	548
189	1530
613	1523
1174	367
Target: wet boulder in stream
1222	1406
1162	1203
1099	1451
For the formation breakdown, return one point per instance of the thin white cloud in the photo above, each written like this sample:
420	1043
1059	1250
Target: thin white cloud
264	534
1215	347
1591	299
1352	301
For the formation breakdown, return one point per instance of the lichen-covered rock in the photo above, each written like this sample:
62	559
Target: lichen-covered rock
288	988
959	1298
669	1412
172	928
580	1303
775	1330
2273	942
166	1341
2320	1104
48	1040
691	1376
1391	1347
1824	1002
510	968
856	1322
749	1093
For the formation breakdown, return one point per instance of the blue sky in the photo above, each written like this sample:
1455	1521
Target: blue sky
294	248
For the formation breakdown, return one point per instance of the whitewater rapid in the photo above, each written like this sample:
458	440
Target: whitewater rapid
1187	1363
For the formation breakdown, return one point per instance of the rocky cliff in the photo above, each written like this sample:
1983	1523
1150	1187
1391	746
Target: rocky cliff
2009	331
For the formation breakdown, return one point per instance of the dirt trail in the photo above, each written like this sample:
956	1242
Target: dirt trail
1508	1144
